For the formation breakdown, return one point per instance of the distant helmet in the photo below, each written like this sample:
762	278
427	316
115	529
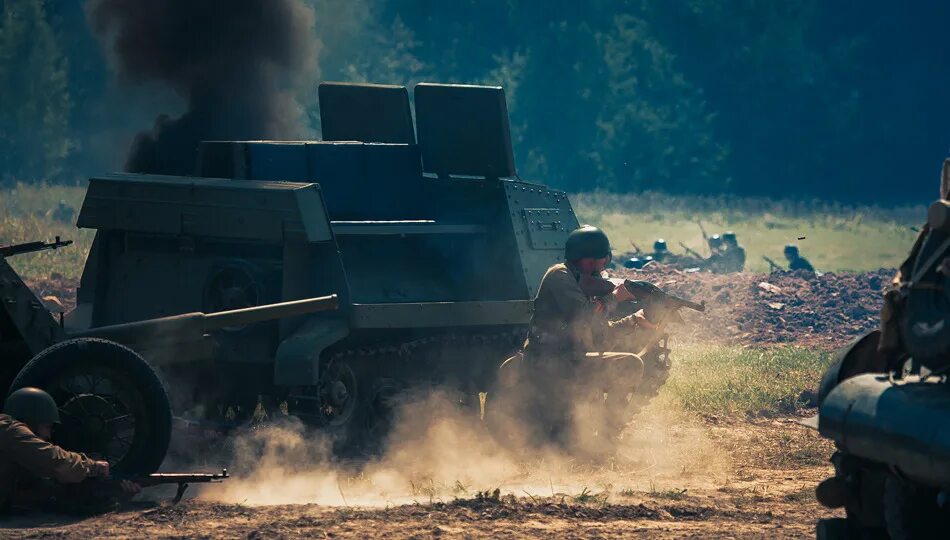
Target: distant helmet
791	250
660	245
587	242
32	406
729	237
715	241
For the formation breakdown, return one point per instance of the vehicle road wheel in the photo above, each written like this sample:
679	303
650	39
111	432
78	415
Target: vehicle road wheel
912	513
112	404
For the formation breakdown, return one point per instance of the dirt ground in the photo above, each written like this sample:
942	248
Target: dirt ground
767	493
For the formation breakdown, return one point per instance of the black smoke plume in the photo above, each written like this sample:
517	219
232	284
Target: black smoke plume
239	64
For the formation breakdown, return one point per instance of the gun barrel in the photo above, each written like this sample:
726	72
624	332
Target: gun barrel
30	247
283	310
192	326
701	307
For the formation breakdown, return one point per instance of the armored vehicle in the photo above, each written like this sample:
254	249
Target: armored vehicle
422	233
885	402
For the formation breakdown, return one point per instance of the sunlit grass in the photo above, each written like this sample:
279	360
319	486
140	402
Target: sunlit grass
837	237
735	381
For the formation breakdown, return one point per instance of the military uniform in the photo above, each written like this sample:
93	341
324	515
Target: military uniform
24	457
800	263
569	338
732	259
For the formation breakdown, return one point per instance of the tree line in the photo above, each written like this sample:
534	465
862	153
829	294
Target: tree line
835	100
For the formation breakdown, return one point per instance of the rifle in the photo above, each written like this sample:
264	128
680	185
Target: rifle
111	485
648	293
702	230
636	247
30	247
773	266
690	251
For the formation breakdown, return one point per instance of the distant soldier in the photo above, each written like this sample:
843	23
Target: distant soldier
63	213
31	466
716	262
661	252
796	261
733	254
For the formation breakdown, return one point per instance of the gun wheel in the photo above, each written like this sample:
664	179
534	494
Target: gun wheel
113	406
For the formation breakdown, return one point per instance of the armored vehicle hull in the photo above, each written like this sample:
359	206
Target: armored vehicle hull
423	231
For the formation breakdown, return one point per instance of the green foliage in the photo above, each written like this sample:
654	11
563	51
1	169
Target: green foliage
653	128
34	118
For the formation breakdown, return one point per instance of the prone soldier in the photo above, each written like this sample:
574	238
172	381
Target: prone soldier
733	258
796	261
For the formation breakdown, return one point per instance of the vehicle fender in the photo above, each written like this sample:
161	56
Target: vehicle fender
298	356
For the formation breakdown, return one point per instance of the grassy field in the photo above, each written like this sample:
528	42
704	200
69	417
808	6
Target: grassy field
837	238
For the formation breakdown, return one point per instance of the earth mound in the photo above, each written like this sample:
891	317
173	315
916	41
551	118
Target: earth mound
825	311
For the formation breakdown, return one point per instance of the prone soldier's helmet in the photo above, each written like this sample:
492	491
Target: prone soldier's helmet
729	237
587	242
715	241
659	245
32	406
791	251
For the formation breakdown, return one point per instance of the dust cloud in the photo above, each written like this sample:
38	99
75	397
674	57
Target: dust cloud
439	450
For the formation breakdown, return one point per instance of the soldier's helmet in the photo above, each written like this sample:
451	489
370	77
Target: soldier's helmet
32	406
587	242
729	237
659	245
715	241
791	251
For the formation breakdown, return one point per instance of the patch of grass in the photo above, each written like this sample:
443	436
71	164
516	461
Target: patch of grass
837	237
672	494
735	381
586	496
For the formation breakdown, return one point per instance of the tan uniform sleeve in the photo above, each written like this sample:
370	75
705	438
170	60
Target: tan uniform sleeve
42	458
570	299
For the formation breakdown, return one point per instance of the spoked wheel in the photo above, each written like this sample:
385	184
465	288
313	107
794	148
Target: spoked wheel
112	404
332	405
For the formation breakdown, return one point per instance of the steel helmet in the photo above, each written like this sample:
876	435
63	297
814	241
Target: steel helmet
32	406
660	245
729	237
586	242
